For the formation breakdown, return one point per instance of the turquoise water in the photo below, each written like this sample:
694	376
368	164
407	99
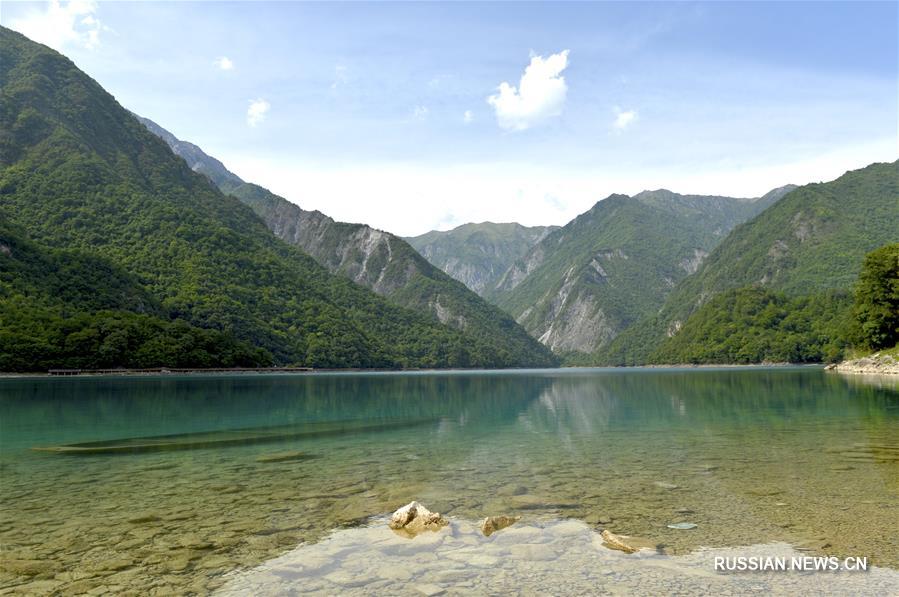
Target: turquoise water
792	456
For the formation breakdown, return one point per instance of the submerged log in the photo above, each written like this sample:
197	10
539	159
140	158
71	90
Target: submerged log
229	437
625	543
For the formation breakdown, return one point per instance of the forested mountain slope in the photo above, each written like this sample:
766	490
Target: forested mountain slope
809	244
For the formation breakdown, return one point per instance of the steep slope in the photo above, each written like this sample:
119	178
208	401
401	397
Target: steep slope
79	173
373	258
583	284
811	243
63	308
479	254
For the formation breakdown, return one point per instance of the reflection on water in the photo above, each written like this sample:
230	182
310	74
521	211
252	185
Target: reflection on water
751	456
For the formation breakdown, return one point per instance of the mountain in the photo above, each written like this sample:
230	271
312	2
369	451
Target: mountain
378	260
811	243
478	254
80	175
585	283
195	157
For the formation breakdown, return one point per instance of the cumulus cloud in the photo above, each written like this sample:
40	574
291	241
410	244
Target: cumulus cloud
224	63
60	24
539	96
340	77
467	117
257	111
624	118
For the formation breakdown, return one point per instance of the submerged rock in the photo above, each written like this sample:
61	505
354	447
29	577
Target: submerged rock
597	518
492	524
414	519
282	457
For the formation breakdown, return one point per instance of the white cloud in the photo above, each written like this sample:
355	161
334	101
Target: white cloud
467	117
420	113
340	77
540	94
61	24
224	63
257	111
624	118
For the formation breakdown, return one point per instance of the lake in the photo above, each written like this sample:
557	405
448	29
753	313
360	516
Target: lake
281	483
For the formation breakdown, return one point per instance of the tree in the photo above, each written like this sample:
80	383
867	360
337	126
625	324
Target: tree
877	298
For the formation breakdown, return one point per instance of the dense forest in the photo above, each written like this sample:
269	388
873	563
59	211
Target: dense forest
62	308
756	325
80	176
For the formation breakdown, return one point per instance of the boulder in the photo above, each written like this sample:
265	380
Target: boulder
492	524
414	519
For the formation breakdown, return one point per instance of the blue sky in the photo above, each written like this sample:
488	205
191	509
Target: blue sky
397	114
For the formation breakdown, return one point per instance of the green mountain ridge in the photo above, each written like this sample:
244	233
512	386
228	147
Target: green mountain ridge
809	244
479	254
585	283
378	260
79	174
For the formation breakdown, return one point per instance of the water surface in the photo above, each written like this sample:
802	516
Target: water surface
787	456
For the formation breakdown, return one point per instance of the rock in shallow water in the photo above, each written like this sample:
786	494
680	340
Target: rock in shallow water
414	519
492	524
283	457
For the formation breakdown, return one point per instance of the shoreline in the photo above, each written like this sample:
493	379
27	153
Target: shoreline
874	364
166	372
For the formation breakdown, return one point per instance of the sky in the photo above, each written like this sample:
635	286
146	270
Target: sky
418	116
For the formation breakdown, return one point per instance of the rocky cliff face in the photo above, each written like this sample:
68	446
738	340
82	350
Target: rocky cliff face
379	260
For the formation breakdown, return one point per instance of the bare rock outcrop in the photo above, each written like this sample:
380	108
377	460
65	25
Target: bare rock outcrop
414	519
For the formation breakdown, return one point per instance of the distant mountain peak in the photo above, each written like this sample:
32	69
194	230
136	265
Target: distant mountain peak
591	279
